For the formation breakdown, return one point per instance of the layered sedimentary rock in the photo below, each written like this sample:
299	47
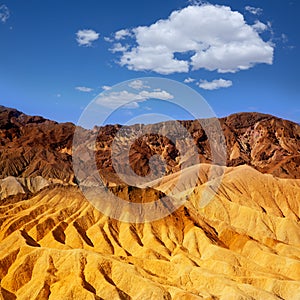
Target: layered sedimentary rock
33	146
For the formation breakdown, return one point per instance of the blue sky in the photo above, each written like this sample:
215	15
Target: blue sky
56	56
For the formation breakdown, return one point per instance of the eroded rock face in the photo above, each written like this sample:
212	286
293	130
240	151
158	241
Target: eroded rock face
34	146
269	144
10	185
244	244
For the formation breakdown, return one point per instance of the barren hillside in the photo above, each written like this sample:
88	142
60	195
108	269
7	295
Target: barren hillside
33	146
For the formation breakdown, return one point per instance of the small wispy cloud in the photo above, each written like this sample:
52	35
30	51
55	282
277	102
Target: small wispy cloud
259	26
106	88
118	47
86	37
121	34
84	89
215	84
108	39
284	38
254	10
129	99
197	2
4	13
137	84
189	80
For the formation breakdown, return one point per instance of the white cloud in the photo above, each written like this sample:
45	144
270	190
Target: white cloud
106	87
83	89
86	37
130	100
116	99
158	59
121	34
189	80
4	13
131	105
259	26
215	84
156	94
118	47
212	37
254	10
197	2
284	38
137	84
108	39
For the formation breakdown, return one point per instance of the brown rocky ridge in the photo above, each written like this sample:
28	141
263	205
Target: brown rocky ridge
245	244
34	146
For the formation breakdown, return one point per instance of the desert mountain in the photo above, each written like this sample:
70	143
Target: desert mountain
34	146
244	244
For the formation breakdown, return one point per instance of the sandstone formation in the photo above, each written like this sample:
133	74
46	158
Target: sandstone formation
243	245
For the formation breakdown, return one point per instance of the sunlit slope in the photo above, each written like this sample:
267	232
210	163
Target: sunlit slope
245	244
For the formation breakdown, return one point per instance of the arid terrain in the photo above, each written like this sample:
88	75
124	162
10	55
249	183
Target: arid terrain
245	244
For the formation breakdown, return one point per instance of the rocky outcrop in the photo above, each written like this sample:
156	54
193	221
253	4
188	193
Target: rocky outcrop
34	146
13	186
269	144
